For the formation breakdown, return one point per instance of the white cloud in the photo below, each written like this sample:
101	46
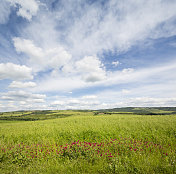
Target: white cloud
88	69
4	11
125	91
39	58
18	84
28	47
127	70
22	105
59	83
22	96
150	101
148	75
15	72
91	68
94	29
127	76
120	25
89	97
67	43
155	90
115	63
58	57
27	9
141	102
75	103
57	103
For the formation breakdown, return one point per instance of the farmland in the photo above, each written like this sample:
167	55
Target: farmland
88	141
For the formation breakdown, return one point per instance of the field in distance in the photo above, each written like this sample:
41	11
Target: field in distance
128	140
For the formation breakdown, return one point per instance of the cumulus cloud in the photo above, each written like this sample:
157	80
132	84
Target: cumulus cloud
58	57
91	68
27	9
28	47
23	96
125	76
18	84
15	72
39	58
75	103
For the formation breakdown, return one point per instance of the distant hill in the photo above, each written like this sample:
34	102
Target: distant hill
140	110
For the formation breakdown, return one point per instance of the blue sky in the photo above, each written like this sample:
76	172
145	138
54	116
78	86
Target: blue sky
73	54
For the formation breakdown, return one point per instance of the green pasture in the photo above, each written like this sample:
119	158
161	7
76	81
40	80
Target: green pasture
62	128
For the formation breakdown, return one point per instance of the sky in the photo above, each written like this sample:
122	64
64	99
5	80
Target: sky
87	54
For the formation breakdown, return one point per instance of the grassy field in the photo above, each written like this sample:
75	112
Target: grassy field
82	142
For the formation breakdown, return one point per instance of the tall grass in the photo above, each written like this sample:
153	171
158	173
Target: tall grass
131	144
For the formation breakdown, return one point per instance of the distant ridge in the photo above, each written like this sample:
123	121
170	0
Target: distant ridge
141	110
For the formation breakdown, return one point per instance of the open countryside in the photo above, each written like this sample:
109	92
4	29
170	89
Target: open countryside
140	140
87	86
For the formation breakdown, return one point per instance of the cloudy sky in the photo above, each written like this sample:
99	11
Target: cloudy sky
87	54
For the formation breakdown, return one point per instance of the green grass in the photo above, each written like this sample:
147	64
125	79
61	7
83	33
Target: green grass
137	144
33	115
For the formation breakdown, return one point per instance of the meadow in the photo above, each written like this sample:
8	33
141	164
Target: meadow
87	142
